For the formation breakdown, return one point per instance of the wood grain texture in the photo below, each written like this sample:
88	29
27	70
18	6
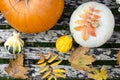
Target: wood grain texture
113	71
48	36
33	52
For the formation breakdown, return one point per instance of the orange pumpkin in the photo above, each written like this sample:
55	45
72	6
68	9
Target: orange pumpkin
32	16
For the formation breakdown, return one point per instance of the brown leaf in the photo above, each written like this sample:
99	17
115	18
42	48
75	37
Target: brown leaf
15	67
79	60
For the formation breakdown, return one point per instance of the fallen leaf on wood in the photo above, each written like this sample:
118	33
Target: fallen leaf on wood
98	75
80	60
47	65
15	67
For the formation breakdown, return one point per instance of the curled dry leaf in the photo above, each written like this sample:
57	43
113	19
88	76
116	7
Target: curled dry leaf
80	60
16	68
98	75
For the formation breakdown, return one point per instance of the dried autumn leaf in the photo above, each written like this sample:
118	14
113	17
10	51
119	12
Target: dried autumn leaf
15	67
98	75
79	60
86	24
47	66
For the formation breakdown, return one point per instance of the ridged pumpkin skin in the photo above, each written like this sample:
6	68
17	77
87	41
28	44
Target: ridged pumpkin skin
37	16
64	43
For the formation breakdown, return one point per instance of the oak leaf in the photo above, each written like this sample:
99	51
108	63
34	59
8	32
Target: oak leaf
80	60
15	67
98	75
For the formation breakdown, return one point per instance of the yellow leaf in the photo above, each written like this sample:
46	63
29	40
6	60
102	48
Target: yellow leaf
44	69
56	63
59	75
41	61
46	74
58	70
98	75
50	77
48	55
55	78
104	73
47	68
53	58
42	65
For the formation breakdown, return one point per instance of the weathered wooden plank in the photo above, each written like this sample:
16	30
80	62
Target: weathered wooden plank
70	72
52	35
32	53
76	3
113	71
48	36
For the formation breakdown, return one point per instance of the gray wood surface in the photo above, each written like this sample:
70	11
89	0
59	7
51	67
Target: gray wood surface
51	36
33	52
113	71
48	36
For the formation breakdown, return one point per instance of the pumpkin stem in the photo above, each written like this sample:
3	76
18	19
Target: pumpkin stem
17	1
26	2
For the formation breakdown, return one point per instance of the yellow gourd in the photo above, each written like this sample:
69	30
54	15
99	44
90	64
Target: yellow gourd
64	43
